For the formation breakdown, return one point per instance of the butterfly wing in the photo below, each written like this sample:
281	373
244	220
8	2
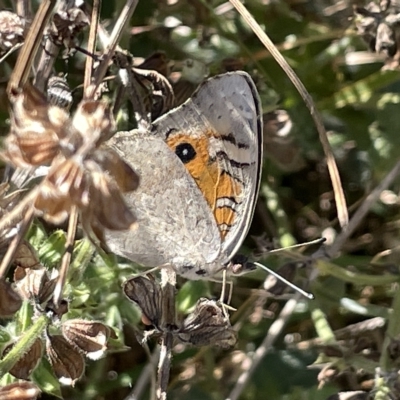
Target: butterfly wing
175	224
217	134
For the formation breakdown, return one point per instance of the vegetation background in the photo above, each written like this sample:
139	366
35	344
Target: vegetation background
355	85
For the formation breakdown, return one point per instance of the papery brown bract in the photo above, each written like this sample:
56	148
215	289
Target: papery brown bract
89	337
94	122
67	363
26	257
19	391
36	129
23	368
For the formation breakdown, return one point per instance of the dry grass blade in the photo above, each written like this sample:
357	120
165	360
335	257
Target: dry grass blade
116	34
333	170
31	45
91	47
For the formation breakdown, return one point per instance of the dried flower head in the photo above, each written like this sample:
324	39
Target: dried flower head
23	368
66	26
67	363
89	337
12	30
82	174
19	391
36	129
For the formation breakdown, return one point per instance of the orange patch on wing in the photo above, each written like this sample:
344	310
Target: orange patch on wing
209	177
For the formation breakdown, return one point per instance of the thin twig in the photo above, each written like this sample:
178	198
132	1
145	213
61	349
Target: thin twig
13	246
265	346
66	259
94	23
116	34
28	52
363	210
332	167
8	219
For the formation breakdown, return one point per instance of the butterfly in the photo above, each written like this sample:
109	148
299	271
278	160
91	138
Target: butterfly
200	167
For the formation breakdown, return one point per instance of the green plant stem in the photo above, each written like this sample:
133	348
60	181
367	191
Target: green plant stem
392	332
23	345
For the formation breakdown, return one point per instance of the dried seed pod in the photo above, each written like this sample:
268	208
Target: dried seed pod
67	363
23	368
207	325
19	391
37	286
147	294
59	92
89	337
10	301
12	29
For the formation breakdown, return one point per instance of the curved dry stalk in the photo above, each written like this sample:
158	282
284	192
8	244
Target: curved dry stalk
66	259
19	209
265	346
13	246
316	116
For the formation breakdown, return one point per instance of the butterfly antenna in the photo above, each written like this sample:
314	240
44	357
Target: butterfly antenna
282	279
295	246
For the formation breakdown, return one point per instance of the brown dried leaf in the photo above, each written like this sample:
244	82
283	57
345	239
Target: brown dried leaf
10	301
158	62
90	337
26	256
66	25
207	325
23	368
19	391
67	363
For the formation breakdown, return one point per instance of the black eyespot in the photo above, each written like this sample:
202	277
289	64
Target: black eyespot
185	152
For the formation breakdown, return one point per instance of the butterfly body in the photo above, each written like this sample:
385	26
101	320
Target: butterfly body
200	168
